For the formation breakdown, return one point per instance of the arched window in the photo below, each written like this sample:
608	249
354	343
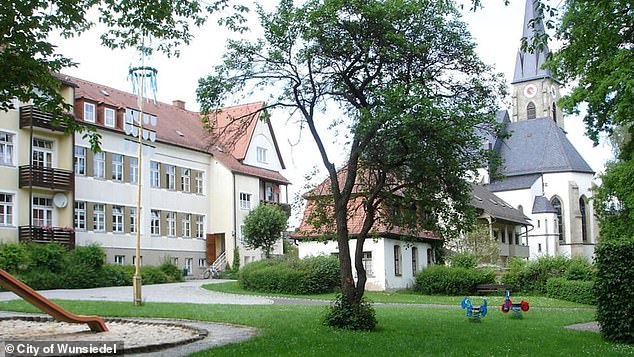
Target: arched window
554	112
584	227
531	112
560	217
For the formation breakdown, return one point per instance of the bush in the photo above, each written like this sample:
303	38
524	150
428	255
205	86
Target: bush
578	291
614	289
51	257
579	268
439	279
117	275
298	276
464	260
171	271
41	279
153	275
532	276
13	257
358	317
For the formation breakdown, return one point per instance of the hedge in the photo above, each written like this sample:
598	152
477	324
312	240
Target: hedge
532	276
440	279
578	291
614	289
311	275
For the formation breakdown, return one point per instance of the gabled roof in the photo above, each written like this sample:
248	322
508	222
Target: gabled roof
539	146
484	200
542	205
513	183
528	65
181	127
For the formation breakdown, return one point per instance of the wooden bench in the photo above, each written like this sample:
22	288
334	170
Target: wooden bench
484	289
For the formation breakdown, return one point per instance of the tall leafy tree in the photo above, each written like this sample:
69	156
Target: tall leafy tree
29	61
407	78
263	227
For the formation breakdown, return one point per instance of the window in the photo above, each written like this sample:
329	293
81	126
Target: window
559	212
109	117
117	219
202	262
414	260
200	227
538	223
245	200
584	226
430	257
99	217
199	182
517	238
80	160
155	223
155	174
243	237
171	224
539	248
187	226
42	153
134	260
397	260
185	179
99	165
189	264
261	154
80	215
531	112
367	263
175	261
554	112
132	219
6	209
117	167
134	170
6	148
119	259
89	112
42	211
170	177
503	235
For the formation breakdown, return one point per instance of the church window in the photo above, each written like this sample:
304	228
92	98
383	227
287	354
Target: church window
531	112
559	212
554	112
584	227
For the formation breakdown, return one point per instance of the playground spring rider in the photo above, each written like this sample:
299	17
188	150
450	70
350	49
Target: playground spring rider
508	305
474	313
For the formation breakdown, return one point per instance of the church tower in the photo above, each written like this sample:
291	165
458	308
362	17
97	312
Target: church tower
535	91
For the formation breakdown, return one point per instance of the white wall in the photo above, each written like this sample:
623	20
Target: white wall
263	138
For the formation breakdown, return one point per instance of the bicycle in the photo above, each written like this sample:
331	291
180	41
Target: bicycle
211	272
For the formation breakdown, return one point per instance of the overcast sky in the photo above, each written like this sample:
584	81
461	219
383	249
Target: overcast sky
496	29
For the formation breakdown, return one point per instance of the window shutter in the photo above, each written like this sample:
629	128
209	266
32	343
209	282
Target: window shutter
89	218
193	185
163	222
89	163
179	178
126	169
179	224
127	212
108	218
108	173
163	175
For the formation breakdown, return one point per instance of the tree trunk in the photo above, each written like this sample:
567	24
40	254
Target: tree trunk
348	288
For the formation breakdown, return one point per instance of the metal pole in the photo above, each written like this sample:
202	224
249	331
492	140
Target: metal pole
137	284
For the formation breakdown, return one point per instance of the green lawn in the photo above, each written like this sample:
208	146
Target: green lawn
295	330
407	297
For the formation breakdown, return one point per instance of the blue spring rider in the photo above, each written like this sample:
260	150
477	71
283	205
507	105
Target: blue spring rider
516	308
474	313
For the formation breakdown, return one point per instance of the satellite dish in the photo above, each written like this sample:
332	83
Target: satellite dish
60	200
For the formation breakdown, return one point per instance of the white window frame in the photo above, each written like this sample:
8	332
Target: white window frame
109	120
42	153
170	177
119	259
99	217
185	179
367	263
117	219
398	260
45	206
189	265
80	215
117	167
242	236
89	118
187	225
245	200
261	154
140	260
170	218
7	209
134	170
132	219
202	262
99	165
79	164
7	148
200	227
199	182
155	174
155	222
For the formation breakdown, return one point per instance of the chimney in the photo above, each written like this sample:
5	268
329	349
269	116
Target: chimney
179	104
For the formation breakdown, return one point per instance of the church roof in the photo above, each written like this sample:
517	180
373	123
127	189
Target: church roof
542	205
528	66
483	199
513	183
539	146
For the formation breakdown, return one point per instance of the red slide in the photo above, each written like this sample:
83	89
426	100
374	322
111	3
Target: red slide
7	281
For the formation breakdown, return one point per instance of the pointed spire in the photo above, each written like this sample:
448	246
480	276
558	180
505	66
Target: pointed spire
528	65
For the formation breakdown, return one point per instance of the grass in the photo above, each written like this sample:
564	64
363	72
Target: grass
293	330
406	297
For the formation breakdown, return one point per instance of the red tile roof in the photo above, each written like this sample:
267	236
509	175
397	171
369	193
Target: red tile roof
184	128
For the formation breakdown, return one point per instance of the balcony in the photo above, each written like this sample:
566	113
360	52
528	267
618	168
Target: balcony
63	236
285	207
30	115
47	178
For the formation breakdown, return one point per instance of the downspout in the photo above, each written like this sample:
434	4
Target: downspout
31	177
235	218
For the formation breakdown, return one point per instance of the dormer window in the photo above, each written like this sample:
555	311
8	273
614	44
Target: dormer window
89	112
109	117
261	152
531	112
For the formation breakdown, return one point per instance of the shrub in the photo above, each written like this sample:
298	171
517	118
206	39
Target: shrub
153	275
439	279
13	257
614	289
298	276
171	271
117	275
344	315
579	268
41	279
90	256
464	260
47	256
571	290
532	276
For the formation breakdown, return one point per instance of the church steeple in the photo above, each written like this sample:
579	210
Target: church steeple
535	91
